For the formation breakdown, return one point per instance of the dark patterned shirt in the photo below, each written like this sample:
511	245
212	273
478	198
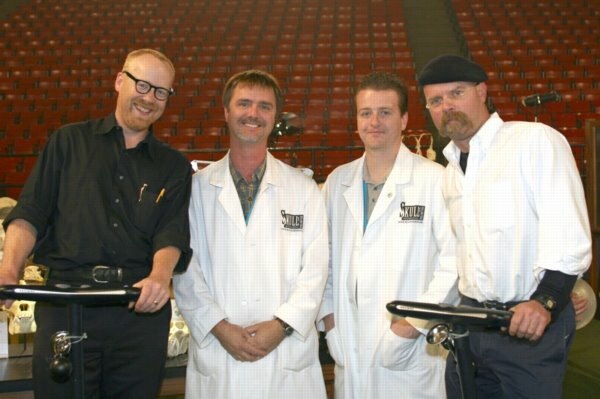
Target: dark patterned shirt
247	191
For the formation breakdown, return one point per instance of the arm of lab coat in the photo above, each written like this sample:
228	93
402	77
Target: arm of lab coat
195	302
194	299
327	303
302	306
443	286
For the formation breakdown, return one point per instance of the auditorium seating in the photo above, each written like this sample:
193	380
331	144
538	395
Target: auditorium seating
59	60
533	48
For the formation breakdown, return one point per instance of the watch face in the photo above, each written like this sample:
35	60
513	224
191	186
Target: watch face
547	301
287	329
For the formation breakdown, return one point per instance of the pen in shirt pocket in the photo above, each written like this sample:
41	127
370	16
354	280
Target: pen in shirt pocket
160	195
142	191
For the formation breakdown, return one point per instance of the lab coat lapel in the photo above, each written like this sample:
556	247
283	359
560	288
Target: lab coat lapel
228	197
354	192
270	178
400	174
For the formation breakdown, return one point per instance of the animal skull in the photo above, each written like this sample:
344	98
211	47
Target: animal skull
179	334
20	316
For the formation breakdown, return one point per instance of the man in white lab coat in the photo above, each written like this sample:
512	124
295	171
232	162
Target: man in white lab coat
390	239
252	291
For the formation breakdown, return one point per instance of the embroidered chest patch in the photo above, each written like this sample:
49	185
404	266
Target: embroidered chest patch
411	213
292	222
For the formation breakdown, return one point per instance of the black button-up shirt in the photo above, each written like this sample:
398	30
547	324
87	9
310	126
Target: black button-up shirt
94	202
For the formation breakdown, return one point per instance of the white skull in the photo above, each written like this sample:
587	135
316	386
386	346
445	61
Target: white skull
431	155
179	334
32	273
20	316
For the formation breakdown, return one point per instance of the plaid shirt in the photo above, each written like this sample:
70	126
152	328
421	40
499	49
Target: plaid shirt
247	191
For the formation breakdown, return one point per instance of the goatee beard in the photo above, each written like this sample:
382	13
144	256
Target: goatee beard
455	117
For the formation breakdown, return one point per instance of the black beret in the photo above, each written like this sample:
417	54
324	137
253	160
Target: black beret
451	68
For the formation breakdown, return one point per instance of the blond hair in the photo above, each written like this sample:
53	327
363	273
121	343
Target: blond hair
157	54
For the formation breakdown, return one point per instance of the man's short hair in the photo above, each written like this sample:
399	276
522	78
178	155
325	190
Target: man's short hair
253	77
144	51
385	81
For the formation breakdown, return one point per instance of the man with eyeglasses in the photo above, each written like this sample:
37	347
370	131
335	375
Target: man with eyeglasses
106	205
517	208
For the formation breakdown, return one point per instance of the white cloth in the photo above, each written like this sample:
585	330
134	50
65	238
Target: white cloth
406	253
519	210
274	266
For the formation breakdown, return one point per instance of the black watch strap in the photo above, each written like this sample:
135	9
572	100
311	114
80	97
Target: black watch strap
547	301
287	329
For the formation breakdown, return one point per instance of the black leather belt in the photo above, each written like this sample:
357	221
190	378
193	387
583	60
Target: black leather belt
99	274
489	304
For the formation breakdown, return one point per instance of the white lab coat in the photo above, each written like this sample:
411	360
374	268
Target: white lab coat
404	254
274	266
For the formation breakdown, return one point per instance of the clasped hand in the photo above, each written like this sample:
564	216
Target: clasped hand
251	343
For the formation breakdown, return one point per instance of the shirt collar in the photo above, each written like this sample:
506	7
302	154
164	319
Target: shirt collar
482	139
367	176
257	175
109	124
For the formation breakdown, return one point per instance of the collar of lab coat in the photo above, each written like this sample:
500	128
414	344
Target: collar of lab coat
270	178
229	198
401	173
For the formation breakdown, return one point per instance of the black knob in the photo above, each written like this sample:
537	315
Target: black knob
60	369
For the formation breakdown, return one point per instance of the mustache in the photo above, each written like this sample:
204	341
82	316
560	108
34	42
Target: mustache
449	130
253	121
455	115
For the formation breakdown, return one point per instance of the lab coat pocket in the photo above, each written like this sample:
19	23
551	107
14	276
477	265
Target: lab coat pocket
295	355
334	345
398	353
210	358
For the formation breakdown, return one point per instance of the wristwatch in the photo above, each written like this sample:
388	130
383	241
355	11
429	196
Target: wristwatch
547	301
287	329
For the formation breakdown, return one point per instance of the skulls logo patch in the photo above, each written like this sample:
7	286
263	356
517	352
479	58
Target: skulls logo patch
411	213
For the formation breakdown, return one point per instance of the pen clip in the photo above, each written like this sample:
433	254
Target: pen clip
142	192
160	195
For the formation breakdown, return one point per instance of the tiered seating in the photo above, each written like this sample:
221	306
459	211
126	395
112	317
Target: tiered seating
59	60
534	48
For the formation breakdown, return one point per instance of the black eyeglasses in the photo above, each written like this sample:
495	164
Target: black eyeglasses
143	87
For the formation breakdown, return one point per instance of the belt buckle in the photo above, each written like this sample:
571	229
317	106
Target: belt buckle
107	271
494	305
